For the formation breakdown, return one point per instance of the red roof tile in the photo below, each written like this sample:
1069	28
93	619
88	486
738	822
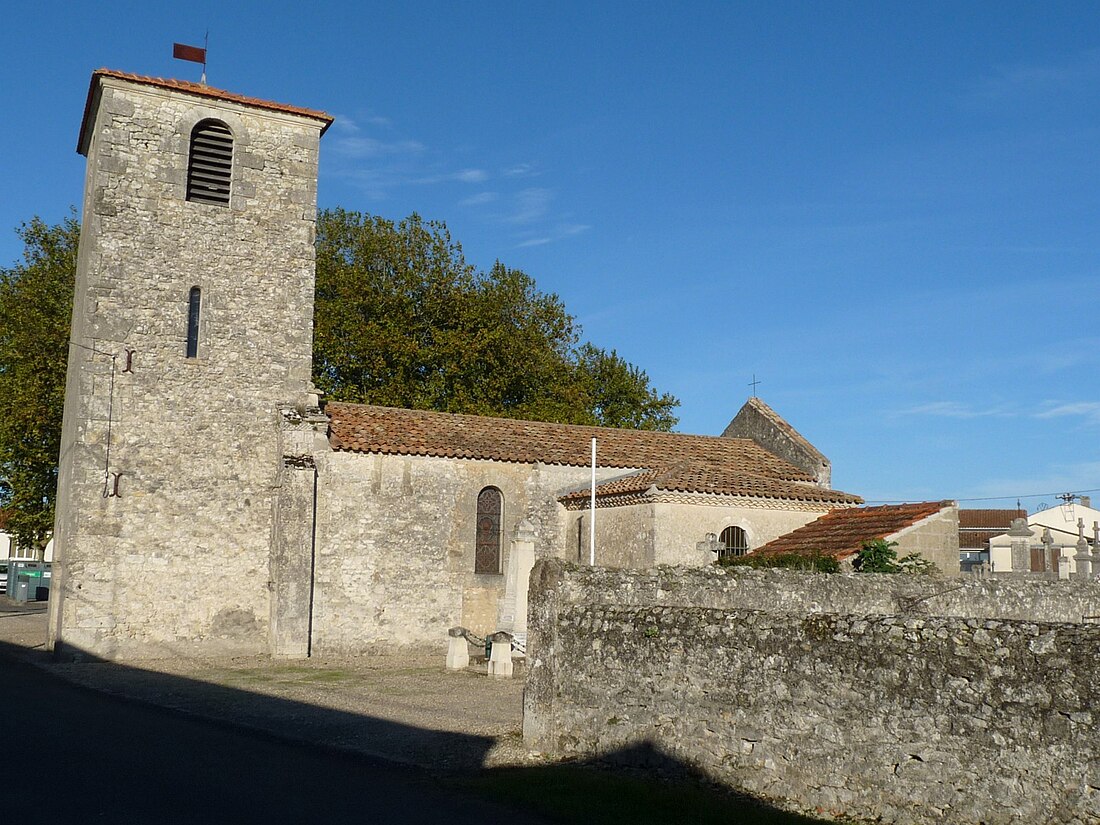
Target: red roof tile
977	527
705	477
841	533
197	89
673	461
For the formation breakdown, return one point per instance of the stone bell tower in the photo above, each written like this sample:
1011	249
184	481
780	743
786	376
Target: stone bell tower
192	325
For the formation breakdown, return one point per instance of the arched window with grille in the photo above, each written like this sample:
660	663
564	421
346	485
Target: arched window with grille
210	163
733	542
194	304
490	517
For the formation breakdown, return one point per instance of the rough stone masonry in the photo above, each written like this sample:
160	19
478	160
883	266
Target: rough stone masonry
904	717
170	464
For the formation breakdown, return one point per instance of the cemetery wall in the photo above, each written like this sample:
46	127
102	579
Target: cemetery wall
845	696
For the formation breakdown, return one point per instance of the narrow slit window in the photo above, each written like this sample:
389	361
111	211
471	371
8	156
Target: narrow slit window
210	163
490	512
194	302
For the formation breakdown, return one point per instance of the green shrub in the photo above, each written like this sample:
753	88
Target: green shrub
879	556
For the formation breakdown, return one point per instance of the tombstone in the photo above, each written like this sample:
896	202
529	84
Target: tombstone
1095	547
1082	560
1020	535
1064	564
521	559
1046	561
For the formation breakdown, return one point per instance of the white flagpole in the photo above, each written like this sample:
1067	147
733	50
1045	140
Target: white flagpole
592	511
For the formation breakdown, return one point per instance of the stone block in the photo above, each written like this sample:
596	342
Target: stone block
458	651
500	656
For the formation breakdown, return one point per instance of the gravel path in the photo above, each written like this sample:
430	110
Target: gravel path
402	706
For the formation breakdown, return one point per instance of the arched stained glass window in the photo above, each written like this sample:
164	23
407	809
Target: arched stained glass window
490	516
194	302
733	542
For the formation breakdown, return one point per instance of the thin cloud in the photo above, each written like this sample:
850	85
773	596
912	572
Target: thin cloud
531	205
956	409
1088	410
534	242
369	152
520	170
560	232
480	199
367	147
1070	74
461	176
380	164
471	175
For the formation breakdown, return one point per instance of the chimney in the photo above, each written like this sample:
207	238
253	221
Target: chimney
1086	501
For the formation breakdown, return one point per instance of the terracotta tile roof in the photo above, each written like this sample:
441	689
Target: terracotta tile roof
977	527
187	87
672	461
989	519
704	477
841	533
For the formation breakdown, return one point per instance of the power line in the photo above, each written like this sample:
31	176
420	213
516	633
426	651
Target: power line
989	498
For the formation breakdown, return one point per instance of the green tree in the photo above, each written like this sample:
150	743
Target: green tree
35	313
403	320
618	394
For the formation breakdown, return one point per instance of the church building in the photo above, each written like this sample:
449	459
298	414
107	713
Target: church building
209	503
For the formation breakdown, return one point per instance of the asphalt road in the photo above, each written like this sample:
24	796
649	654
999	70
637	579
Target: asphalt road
75	756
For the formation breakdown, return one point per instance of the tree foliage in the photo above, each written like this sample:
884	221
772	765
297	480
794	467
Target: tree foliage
403	320
35	313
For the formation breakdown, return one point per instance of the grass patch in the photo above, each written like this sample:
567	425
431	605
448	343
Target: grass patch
570	794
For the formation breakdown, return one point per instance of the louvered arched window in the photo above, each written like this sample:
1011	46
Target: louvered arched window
490	515
210	163
733	542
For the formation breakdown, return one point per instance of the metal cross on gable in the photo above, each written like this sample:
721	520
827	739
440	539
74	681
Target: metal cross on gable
754	383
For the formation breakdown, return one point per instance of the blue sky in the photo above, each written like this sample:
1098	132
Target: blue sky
886	212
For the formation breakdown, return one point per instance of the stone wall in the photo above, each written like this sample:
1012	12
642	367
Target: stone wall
981	716
758	422
935	538
179	559
395	543
681	524
395	540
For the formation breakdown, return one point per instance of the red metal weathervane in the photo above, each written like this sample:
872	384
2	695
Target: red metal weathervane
192	53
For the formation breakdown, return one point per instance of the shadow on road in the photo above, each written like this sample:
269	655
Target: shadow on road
182	750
